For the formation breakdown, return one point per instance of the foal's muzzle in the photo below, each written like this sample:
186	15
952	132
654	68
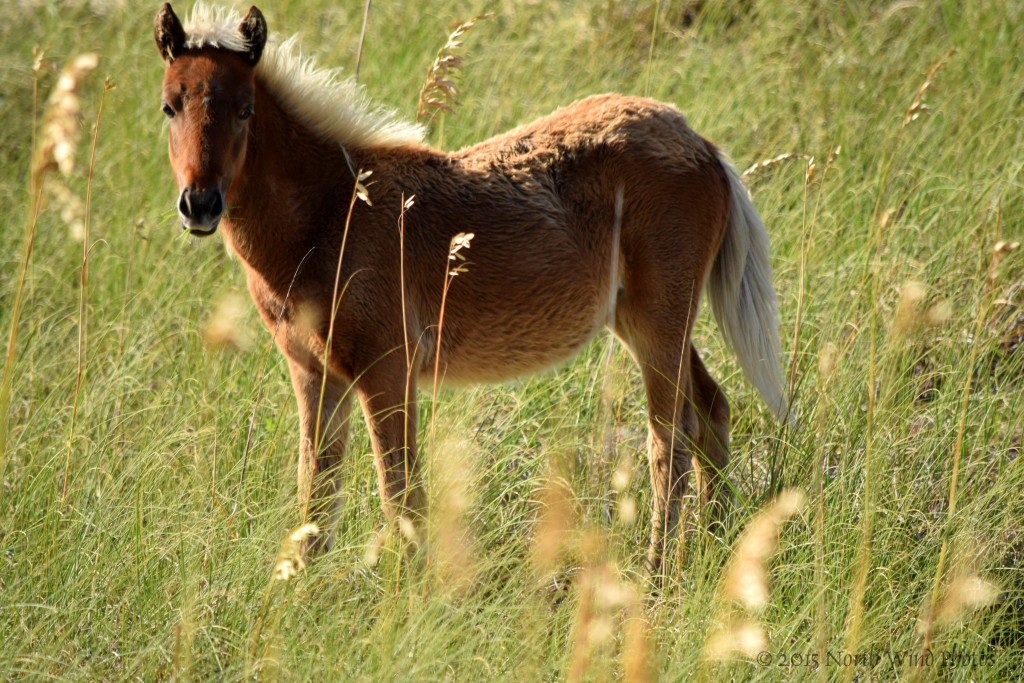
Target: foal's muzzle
200	210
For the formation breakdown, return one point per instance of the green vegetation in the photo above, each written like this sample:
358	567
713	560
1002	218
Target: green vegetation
132	547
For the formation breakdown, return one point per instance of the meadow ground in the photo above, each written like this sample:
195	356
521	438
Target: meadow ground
143	509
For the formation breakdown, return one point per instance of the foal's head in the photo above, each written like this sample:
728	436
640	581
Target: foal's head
208	96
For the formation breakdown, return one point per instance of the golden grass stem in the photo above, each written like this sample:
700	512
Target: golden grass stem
457	243
650	48
607	398
743	591
826	368
36	192
801	285
915	107
358	192
871	278
83	289
807	235
855	613
985	305
12	335
406	205
362	38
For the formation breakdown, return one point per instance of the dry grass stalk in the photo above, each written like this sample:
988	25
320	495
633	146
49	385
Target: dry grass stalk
71	208
62	126
38	65
458	242
451	544
1000	250
812	169
909	319
84	288
581	641
650	48
407	528
290	561
807	235
905	319
224	329
885	219
954	479
956	598
917	105
827	361
362	38
637	648
557	519
58	148
359	193
54	150
744	587
607	602
767	164
372	554
746	578
626	510
291	558
362	193
966	593
439	92
625	504
736	636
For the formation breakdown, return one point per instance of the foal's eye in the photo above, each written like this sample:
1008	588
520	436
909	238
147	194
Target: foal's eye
168	110
246	112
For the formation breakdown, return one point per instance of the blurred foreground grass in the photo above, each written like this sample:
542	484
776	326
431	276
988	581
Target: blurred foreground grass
899	324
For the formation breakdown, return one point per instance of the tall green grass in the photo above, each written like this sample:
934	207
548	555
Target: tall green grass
158	561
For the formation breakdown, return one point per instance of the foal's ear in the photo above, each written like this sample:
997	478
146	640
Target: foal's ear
170	36
254	30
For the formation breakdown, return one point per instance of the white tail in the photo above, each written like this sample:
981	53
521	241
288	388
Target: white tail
743	299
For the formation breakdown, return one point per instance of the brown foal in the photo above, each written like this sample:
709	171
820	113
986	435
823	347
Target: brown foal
610	211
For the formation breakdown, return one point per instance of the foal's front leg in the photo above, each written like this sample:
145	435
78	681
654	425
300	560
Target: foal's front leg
388	396
320	449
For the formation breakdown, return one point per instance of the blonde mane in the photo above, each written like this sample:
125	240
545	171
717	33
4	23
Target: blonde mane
333	106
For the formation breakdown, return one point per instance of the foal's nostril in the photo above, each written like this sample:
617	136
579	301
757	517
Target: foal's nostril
184	208
216	205
201	206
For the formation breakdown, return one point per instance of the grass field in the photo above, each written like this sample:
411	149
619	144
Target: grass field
142	511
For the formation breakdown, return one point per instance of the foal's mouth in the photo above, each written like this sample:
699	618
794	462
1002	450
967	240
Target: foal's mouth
198	231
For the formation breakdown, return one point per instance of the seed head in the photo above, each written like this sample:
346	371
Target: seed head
62	126
290	560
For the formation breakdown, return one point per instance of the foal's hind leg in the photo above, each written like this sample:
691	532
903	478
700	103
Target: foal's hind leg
671	429
712	412
659	341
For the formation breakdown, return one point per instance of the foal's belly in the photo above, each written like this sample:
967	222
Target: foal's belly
494	336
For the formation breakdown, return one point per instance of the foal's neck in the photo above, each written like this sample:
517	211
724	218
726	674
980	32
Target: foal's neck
281	198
